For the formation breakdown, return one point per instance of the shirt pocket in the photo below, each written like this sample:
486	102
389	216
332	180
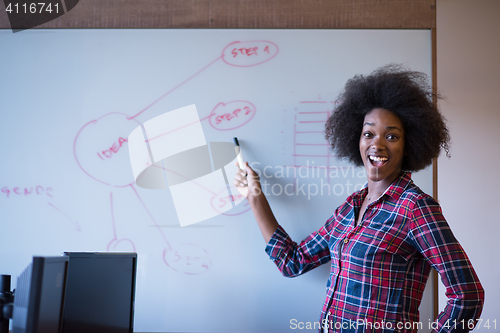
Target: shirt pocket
379	239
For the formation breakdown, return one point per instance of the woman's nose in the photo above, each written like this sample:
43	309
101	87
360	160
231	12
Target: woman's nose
378	143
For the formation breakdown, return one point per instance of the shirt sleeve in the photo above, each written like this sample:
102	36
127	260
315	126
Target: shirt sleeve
434	239
294	259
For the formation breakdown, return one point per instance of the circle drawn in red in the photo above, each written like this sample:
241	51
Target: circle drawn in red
251	53
100	149
222	200
231	115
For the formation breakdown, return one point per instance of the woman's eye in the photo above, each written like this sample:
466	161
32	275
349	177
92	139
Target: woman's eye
392	137
367	135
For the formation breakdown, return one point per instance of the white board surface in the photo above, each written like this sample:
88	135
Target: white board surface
69	98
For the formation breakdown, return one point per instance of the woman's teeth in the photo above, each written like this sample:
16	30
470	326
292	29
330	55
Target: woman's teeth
378	159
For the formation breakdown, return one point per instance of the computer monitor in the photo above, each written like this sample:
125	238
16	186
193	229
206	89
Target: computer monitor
100	293
39	295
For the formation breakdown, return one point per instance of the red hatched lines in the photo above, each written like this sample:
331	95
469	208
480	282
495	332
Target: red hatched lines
298	132
328	155
319	167
309	145
314	112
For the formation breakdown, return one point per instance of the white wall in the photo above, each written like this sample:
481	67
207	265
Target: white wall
468	72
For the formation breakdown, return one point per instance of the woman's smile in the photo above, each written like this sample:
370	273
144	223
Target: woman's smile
377	161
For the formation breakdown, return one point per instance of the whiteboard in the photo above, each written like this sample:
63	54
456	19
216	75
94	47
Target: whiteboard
70	98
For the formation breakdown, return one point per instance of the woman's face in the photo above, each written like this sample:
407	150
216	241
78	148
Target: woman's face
382	145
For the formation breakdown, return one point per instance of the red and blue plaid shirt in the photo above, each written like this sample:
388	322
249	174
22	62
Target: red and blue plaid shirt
380	267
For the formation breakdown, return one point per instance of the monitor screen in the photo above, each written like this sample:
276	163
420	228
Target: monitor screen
100	293
39	295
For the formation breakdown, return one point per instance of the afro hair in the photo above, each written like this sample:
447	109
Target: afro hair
405	93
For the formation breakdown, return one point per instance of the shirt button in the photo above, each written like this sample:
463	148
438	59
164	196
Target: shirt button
346	240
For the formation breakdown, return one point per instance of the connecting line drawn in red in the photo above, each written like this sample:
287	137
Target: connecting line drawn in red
152	218
66	215
224	117
177	86
178	128
248	49
189	258
113	244
186	258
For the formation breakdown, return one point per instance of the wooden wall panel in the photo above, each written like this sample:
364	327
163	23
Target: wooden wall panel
280	14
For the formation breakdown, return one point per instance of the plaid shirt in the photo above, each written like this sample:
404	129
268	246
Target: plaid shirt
380	267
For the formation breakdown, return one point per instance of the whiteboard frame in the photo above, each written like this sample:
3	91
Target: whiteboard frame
257	14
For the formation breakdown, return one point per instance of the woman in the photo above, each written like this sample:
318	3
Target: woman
384	239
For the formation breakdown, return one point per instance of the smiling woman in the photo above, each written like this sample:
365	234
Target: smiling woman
385	238
405	93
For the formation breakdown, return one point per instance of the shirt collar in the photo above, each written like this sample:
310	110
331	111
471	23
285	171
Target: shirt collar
395	190
398	186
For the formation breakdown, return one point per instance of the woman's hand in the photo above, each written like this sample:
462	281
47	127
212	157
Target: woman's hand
247	181
248	184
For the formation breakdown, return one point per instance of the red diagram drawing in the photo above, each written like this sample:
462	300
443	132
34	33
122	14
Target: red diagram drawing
99	144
